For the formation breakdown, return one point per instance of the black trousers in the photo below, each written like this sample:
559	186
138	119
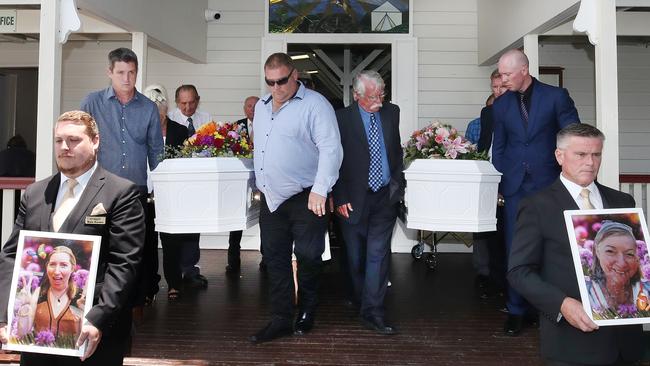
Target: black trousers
148	273
110	351
368	249
292	225
172	245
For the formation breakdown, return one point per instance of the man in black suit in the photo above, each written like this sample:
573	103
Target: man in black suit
234	240
102	204
541	266
367	193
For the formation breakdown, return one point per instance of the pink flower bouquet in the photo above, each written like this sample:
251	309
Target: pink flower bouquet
440	141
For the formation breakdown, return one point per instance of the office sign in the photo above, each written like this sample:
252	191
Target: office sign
7	20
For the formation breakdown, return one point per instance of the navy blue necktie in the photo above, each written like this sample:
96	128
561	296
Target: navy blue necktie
190	126
374	174
524	110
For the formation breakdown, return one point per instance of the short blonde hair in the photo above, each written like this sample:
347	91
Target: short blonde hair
81	118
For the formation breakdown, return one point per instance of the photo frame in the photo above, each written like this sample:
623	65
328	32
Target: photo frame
612	264
52	290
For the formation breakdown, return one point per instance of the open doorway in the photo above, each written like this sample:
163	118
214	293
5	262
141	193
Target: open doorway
18	105
331	67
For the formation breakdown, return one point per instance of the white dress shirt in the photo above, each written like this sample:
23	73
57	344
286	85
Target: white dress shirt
575	189
82	181
199	118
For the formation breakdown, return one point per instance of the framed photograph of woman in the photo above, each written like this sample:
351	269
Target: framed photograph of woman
53	276
610	254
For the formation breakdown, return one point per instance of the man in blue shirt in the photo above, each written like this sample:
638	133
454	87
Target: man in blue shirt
297	158
129	125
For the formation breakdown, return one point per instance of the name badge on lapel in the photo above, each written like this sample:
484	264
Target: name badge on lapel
95	220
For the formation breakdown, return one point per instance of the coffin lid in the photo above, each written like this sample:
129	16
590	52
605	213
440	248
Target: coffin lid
450	166
196	165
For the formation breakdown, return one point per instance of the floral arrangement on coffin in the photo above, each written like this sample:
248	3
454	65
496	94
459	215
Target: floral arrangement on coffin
440	141
214	140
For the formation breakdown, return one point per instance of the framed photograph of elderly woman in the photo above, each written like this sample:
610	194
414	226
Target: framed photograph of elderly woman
53	277
610	254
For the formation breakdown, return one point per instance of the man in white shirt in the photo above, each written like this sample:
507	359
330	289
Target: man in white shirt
188	115
186	112
541	265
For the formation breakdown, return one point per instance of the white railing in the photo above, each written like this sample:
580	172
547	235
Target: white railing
637	187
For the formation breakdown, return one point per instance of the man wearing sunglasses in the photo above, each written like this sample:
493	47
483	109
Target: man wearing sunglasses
297	158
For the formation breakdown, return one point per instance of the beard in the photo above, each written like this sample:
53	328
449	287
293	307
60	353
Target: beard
76	170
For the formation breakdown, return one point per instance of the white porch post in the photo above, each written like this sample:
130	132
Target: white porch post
607	90
139	46
49	86
531	49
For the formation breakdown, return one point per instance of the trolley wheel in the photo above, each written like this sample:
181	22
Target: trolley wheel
417	250
431	261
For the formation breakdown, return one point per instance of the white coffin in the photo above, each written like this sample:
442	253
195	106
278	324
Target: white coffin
204	195
452	195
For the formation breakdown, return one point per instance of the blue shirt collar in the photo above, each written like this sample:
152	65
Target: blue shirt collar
110	93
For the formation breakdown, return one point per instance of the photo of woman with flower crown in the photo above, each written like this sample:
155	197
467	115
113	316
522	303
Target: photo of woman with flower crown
614	262
51	283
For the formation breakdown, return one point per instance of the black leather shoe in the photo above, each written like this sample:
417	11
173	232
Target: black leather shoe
198	281
377	324
232	269
531	319
304	323
513	325
274	329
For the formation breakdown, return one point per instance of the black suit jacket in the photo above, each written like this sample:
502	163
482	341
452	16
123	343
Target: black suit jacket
541	269
176	134
244	123
487	129
121	245
352	184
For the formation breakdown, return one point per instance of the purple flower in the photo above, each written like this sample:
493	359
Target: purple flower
626	310
641	248
586	257
233	134
596	226
80	277
206	140
44	338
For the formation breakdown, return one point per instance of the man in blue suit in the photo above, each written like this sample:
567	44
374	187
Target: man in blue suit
527	119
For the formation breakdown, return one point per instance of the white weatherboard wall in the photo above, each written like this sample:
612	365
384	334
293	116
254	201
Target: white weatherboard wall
633	90
232	71
452	88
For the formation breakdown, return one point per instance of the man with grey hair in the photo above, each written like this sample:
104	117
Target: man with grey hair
367	194
526	119
541	266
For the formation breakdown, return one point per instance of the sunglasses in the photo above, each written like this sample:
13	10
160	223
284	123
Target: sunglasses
279	82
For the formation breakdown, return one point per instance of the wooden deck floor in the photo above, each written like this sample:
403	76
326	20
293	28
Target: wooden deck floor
441	319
